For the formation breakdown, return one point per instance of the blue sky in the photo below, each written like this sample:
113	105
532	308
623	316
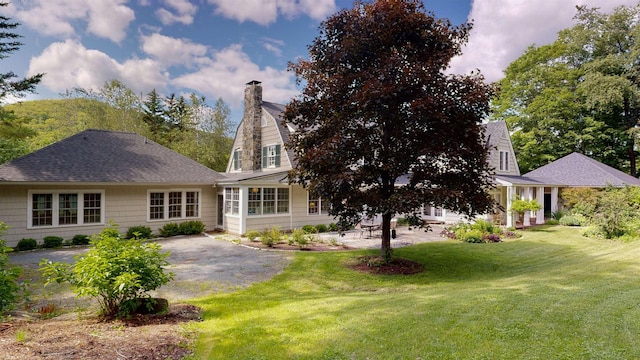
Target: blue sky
214	47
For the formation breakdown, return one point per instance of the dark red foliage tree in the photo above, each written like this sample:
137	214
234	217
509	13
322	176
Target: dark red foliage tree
382	129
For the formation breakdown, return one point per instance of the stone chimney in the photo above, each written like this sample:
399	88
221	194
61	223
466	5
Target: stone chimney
252	127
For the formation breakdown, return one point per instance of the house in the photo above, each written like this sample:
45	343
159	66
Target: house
80	184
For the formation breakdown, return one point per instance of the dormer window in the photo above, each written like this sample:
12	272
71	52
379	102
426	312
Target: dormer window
237	159
504	161
271	156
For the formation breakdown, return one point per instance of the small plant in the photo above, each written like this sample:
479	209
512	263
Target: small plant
48	311
552	222
191	227
309	229
80	239
67	242
321	228
271	236
139	232
26	244
491	238
8	276
472	236
21	335
252	235
299	237
569	220
50	242
170	229
333	227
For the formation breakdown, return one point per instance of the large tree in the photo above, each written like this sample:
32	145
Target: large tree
580	93
381	128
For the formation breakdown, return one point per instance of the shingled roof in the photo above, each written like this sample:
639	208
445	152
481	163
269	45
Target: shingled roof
580	170
97	156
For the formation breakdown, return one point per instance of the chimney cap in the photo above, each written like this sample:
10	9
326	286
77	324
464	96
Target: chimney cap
254	82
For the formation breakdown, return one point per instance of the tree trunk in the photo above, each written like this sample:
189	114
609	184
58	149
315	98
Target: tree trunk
386	237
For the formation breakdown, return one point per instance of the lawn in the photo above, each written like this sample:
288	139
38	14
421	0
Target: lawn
552	294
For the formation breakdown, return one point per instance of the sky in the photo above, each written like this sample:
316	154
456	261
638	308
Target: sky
214	47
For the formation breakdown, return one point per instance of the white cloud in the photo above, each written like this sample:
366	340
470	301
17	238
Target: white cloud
226	74
274	46
172	51
105	18
184	12
504	29
69	64
266	12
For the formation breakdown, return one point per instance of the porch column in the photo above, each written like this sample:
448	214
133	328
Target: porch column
554	199
509	213
528	195
540	200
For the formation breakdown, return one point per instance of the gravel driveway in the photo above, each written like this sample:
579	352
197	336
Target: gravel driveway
202	265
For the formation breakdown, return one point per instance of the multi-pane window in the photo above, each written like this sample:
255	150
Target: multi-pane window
156	206
271	156
231	200
438	212
67	209
192	207
42	210
255	201
317	206
237	159
92	208
174	204
268	201
51	208
504	161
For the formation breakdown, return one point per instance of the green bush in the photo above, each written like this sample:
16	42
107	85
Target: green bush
472	236
252	235
191	227
27	244
170	229
552	222
271	236
569	220
485	227
309	229
50	242
139	232
333	227
80	239
113	271
299	237
321	228
8	276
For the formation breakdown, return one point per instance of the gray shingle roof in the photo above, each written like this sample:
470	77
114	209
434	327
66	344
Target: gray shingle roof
97	156
580	170
493	132
276	110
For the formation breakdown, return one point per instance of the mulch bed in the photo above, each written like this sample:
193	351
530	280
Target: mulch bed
377	265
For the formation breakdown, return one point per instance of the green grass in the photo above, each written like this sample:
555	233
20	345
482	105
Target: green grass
551	295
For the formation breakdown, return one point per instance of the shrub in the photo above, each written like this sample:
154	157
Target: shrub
403	221
299	237
271	236
80	239
139	232
569	220
321	228
333	227
491	238
26	244
309	229
472	236
8	276
552	222
485	227
50	242
252	235
113	271
191	227
170	229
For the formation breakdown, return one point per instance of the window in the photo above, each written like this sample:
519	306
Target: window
271	156
268	201
231	200
173	204
437	212
504	160
52	209
237	159
316	206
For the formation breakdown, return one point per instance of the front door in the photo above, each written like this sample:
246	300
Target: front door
220	210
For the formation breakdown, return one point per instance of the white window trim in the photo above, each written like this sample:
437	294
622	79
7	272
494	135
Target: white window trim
276	213
226	198
504	161
319	202
183	206
56	207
